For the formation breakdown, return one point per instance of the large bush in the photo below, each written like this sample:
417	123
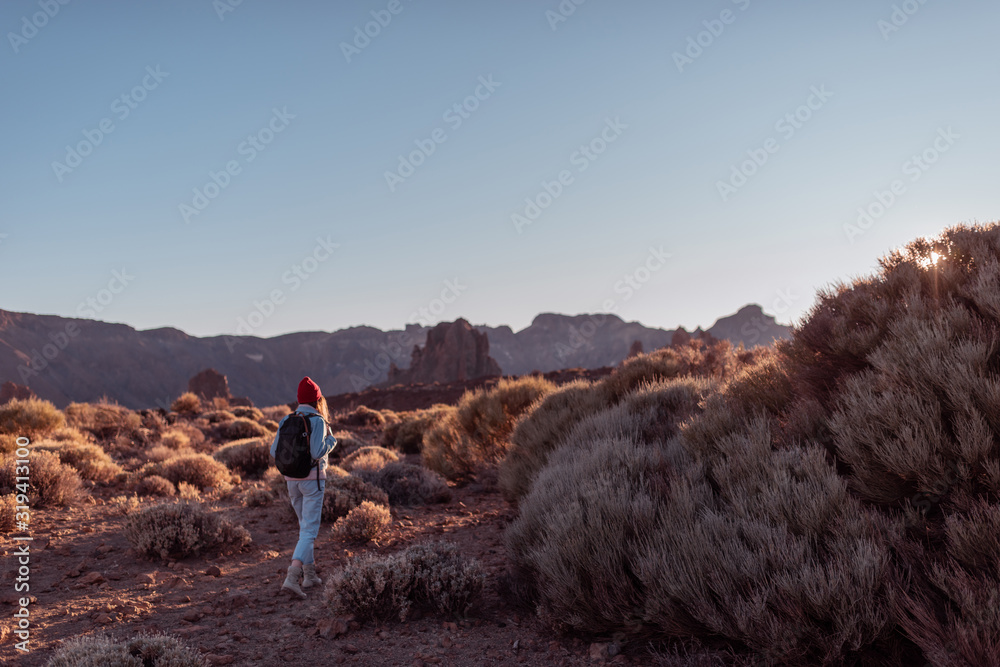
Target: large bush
368	458
29	417
407	434
89	460
106	420
476	435
182	529
835	502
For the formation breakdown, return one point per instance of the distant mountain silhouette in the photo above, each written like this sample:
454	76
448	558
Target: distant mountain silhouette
65	360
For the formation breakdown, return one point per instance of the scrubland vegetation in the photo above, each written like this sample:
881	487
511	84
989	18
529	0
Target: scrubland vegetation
834	499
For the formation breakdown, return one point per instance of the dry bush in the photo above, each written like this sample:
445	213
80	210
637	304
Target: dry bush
8	443
29	417
8	509
407	484
175	438
363	523
445	444
276	413
52	483
218	416
251	457
432	576
257	498
362	416
89	460
107	421
542	430
195	435
199	470
154	485
142	650
478	435
248	412
407	434
178	530
345	493
187	403
125	505
368	458
160	453
718	359
187	491
348	443
239	429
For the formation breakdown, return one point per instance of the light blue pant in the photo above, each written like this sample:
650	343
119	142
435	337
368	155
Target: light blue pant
307	500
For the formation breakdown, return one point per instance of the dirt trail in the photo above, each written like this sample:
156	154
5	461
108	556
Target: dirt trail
84	578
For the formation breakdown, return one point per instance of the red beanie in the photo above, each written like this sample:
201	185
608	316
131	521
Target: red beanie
308	391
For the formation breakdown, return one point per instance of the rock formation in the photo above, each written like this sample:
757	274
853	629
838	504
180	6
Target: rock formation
12	390
209	384
454	351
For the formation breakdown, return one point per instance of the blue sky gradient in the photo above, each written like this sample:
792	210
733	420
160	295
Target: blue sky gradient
774	240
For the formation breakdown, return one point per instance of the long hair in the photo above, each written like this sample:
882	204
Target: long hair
321	408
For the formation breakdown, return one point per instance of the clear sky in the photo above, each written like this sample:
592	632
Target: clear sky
649	131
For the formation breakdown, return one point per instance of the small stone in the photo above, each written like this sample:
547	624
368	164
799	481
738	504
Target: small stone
92	578
192	616
213	571
220	659
350	648
103	619
446	642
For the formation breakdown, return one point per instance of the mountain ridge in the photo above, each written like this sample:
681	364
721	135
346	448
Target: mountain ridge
68	359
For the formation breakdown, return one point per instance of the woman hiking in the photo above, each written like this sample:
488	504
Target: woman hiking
305	492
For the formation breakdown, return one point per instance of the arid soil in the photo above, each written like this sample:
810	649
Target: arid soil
85	578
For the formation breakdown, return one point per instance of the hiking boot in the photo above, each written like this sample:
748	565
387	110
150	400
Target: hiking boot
309	576
291	585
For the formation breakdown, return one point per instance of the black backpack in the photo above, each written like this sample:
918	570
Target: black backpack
292	456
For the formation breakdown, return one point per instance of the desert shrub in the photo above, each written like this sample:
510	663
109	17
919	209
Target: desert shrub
251	456
433	576
178	530
29	417
544	429
446	446
248	412
218	416
52	483
257	498
187	403
154	485
195	435
199	470
485	418
187	491
269	424
107	420
348	443
345	493
175	439
407	434
362	416
407	484
368	458
159	453
89	460
275	413
8	443
125	504
716	359
363	523
141	650
627	532
8	509
239	429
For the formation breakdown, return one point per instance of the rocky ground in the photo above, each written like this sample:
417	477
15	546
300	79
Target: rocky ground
85	578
